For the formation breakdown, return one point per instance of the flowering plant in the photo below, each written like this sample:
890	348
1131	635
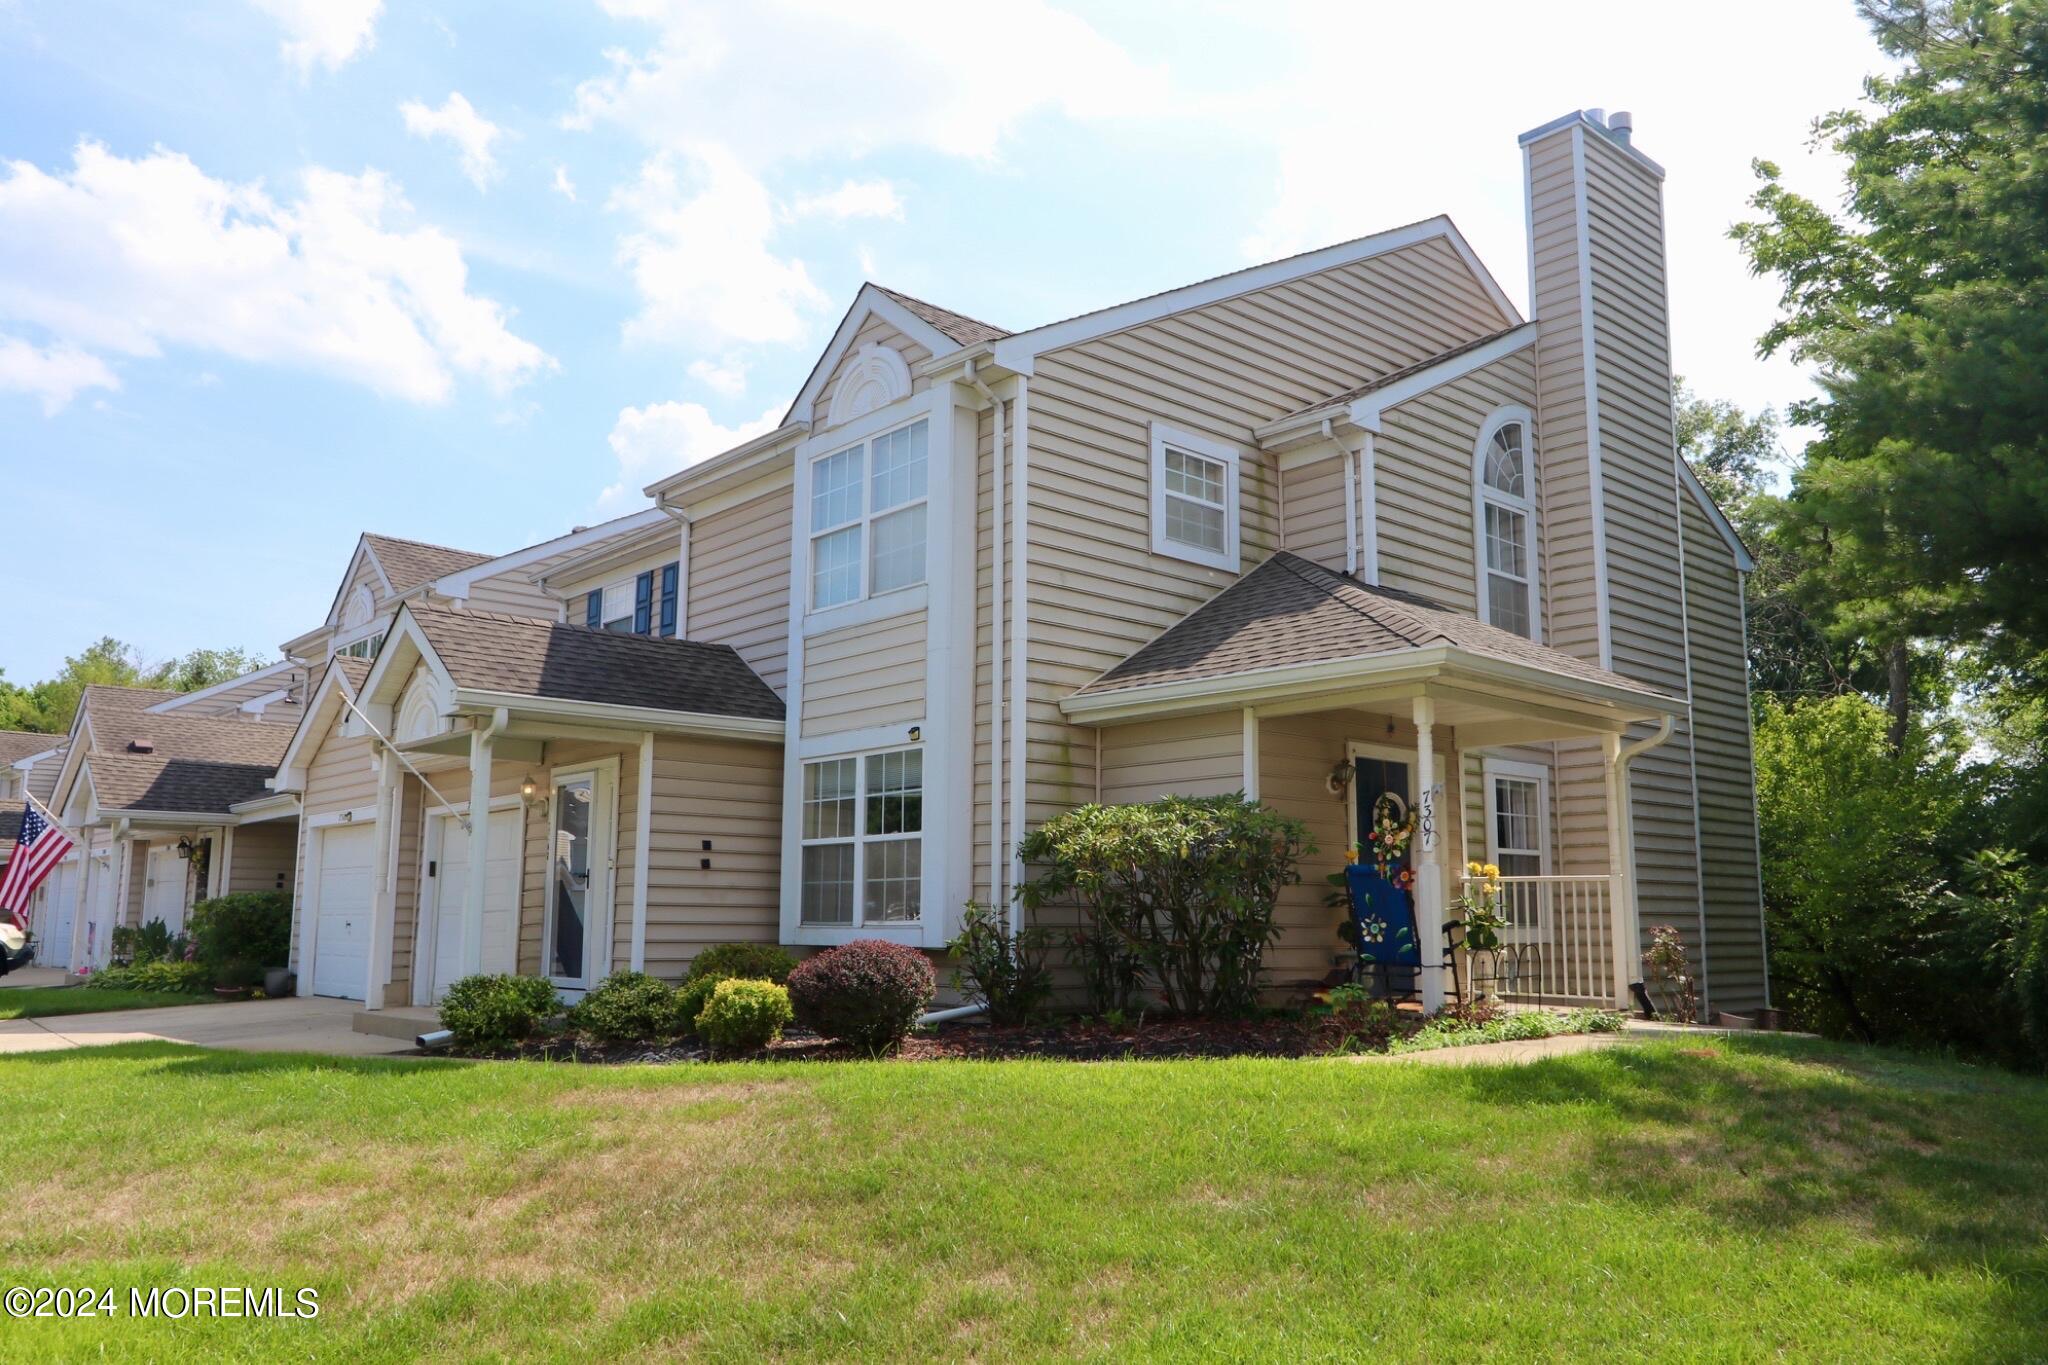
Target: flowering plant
1393	830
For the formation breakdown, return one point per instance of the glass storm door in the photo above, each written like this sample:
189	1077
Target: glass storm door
576	878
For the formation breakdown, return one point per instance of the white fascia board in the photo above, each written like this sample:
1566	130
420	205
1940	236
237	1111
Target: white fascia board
180	819
313	721
363	552
869	301
1743	559
458	585
1419	665
1019	351
276	806
404	631
1367	410
188	698
621	549
768	443
625	717
1584	116
26	764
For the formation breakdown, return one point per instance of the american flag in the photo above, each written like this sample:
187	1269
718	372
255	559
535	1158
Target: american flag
42	845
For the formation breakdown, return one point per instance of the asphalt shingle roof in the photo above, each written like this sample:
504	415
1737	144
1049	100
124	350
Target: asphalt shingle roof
492	652
958	326
409	563
19	744
154	782
200	764
1291	610
10	826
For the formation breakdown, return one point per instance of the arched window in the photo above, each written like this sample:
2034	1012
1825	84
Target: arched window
1504	522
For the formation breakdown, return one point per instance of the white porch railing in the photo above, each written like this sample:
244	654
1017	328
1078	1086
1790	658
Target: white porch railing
1558	946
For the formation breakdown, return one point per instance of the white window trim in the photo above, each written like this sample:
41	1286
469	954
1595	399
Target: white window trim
1229	457
867	518
910	930
1526	505
1491	768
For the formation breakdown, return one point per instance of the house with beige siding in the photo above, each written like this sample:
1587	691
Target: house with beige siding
1333	528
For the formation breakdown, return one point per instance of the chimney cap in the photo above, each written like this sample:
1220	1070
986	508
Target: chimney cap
1622	124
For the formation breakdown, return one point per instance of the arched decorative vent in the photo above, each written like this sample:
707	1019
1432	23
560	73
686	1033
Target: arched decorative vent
419	713
361	606
875	378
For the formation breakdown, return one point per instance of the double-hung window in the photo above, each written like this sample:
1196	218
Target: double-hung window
1517	838
868	517
1507	516
1194	499
863	844
644	604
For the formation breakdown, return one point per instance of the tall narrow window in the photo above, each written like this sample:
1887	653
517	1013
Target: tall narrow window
868	517
1506	518
1518	825
863	845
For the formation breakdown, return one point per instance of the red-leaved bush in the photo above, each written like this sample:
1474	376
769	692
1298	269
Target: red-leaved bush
868	993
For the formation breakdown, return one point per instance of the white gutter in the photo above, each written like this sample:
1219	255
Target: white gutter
995	628
625	717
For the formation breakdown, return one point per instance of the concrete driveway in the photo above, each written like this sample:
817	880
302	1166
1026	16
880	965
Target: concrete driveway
292	1025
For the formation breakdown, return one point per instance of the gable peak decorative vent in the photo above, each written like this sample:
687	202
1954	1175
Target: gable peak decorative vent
876	377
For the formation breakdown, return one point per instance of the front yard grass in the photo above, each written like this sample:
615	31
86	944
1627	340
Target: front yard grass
1691	1199
42	1002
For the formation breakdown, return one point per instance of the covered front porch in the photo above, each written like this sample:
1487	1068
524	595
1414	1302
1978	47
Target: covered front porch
1317	694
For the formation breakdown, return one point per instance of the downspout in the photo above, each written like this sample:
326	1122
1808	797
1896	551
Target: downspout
682	520
1350	500
995	646
1020	627
1626	818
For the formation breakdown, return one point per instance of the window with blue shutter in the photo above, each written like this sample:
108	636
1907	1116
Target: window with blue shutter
593	610
668	599
643	604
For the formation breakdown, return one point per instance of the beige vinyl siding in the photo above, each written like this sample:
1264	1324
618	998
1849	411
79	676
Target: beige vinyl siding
865	675
739	582
731	794
1097	592
1313	511
264	858
513	594
654	560
1182	756
874	331
405	900
1723	760
42	779
534	882
1424	482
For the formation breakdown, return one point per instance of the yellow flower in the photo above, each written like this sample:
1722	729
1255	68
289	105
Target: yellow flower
1473	869
1492	870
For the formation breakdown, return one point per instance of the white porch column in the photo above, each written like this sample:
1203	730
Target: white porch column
223	856
1251	753
481	744
377	962
1429	871
1621	884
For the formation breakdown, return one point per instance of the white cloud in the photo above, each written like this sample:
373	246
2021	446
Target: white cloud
129	256
472	133
662	438
563	185
55	376
700	256
323	32
727	376
854	199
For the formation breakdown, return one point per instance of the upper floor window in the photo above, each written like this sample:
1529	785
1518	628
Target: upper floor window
635	606
868	517
1505	524
1194	499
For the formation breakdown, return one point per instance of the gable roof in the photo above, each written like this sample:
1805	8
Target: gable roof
1291	610
409	563
194	764
517	656
19	744
957	326
107	698
343	672
138	783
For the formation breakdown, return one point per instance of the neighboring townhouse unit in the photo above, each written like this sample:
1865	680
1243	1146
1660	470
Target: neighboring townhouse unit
1329	528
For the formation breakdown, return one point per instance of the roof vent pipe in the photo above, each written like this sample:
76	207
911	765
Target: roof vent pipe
1598	117
1623	126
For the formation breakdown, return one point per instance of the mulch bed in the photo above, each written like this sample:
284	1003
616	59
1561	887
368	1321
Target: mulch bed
1075	1040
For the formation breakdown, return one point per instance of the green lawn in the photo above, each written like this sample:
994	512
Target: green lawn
40	1002
1686	1200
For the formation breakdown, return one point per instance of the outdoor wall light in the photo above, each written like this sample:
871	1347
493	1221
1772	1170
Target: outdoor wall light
184	848
916	733
1339	780
530	792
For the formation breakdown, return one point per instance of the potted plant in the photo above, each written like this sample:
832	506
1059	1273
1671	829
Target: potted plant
1480	914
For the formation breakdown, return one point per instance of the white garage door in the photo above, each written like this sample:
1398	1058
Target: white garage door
53	918
341	909
163	896
501	898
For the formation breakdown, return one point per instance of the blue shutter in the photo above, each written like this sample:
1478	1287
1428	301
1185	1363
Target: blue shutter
643	603
593	610
668	599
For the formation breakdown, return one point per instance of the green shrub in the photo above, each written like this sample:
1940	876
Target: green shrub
627	1007
1181	891
249	927
1005	971
1354	1021
172	978
497	1011
693	995
868	993
744	1016
746	961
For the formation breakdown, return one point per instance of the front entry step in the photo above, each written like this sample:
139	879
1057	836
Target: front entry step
407	1021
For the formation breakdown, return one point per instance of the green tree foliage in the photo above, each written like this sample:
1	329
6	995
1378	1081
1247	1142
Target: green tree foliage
50	705
1924	310
203	668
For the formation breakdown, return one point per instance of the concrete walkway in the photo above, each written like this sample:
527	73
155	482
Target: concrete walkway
1504	1054
298	1024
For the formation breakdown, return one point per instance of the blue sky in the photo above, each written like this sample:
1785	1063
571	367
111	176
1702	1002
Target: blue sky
274	272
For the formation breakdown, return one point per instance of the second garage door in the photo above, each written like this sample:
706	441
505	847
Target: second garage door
341	910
